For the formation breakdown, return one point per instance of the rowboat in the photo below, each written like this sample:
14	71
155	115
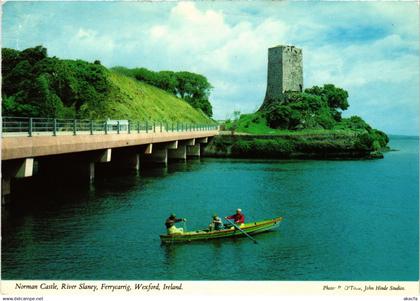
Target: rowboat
248	228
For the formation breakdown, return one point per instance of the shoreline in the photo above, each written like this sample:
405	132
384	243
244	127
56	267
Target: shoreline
324	146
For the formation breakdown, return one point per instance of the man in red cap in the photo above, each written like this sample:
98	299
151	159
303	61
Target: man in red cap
238	218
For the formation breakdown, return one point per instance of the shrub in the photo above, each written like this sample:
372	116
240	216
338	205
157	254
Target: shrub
241	148
376	145
364	141
220	144
278	116
380	137
325	120
273	148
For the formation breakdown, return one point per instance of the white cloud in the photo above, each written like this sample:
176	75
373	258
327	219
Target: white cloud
84	34
90	45
357	66
355	45
189	29
90	40
403	16
214	44
232	55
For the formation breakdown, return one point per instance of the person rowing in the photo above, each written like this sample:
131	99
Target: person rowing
170	224
238	217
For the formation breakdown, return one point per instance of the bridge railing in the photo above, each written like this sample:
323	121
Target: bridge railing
32	126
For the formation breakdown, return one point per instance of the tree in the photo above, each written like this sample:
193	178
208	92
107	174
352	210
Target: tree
33	55
37	85
278	116
195	89
166	80
355	123
236	117
290	112
334	96
17	79
50	104
10	58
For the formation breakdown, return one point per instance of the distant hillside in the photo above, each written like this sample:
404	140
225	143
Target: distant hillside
34	84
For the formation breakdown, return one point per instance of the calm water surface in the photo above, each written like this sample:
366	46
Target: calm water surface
343	220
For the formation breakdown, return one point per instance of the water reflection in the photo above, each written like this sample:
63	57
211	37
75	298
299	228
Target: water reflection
154	171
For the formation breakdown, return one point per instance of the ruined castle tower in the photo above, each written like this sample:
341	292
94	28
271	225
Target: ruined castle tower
285	73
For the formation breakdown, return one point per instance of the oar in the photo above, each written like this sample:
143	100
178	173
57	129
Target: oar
242	231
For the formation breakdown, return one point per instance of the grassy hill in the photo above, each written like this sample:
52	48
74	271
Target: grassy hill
256	123
135	100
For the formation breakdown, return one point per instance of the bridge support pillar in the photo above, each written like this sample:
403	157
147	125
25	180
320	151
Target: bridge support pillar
202	140
189	142
101	157
78	171
149	149
104	156
25	168
133	162
5	189
178	154
19	168
193	150
91	171
172	145
68	168
159	155
126	159
155	154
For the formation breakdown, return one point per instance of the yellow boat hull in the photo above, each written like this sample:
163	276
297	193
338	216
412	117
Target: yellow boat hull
249	228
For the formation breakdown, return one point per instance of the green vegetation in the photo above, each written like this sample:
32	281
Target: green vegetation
36	85
317	107
193	88
131	98
316	111
262	148
328	145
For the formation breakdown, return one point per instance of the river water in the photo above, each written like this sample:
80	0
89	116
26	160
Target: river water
343	220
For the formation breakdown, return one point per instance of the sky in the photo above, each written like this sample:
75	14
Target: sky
371	49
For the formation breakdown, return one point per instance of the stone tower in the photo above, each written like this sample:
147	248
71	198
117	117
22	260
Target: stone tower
284	73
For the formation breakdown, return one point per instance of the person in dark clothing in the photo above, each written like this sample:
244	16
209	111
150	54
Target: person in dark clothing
238	218
170	224
216	223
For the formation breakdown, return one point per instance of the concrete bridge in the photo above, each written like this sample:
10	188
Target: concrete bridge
53	148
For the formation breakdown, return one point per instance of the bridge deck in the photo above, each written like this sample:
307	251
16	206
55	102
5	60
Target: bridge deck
16	147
